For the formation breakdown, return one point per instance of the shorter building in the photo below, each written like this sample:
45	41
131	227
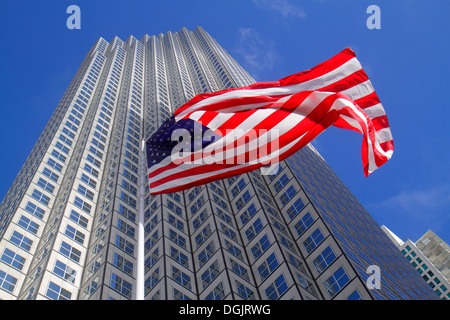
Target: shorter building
430	257
437	251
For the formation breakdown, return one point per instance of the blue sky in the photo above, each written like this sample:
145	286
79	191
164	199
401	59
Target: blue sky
407	61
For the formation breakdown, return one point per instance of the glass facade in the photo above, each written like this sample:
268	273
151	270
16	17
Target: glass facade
68	224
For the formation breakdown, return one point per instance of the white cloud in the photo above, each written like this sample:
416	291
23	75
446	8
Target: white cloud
284	7
258	54
422	204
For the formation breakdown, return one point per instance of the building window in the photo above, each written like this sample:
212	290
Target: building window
280	183
123	264
128	199
64	139
324	259
127	186
13	259
72	127
181	278
21	241
193	209
70	252
48	173
277	288
260	246
268	266
217	294
179	257
243	200
175	237
121	286
78	218
125	228
336	282
235	251
124	245
58	156
288	195
203	235
74	234
94	161
195	191
225	217
295	208
238	187
55	292
254	229
152	280
178	295
200	219
89	181
152	241
296	263
7	282
39	196
279	225
288	244
244	292
35	210
305	284
210	274
29	225
176	223
220	202
304	223
239	270
216	187
151	260
95	152
355	296
313	240
86	207
151	225
60	146
228	232
127	213
248	214
206	254
52	163
91	170
64	271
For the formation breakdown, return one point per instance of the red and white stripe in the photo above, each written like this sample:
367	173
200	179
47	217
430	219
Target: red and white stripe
299	107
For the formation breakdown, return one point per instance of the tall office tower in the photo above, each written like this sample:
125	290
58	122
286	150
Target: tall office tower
69	222
430	258
437	251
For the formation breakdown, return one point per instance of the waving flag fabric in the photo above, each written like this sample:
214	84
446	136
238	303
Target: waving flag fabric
222	134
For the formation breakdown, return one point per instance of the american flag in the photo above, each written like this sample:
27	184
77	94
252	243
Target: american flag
226	133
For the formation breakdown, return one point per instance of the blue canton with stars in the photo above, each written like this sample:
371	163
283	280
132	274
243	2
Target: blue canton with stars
160	144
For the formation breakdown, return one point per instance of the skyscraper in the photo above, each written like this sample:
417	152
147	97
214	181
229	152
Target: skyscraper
69	222
430	258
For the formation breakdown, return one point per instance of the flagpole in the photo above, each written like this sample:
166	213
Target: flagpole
140	260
